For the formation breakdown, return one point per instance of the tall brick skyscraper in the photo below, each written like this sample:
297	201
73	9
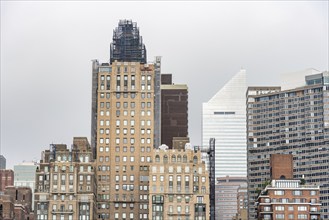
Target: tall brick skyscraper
125	125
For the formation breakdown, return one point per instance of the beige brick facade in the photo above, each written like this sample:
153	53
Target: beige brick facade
179	185
65	183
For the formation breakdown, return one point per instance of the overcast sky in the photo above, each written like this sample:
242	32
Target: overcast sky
47	48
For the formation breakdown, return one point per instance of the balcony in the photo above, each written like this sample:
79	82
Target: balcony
62	211
178	214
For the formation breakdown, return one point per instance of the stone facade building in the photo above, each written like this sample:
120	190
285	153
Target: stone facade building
179	185
125	125
65	183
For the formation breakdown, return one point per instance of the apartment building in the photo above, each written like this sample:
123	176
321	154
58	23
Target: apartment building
65	182
287	198
125	125
179	185
292	119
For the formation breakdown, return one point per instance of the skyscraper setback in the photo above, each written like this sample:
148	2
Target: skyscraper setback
125	125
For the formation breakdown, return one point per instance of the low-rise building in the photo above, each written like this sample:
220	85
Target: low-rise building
178	185
287	198
65	184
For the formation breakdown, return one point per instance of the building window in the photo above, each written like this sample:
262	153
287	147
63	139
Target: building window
279	192
297	193
302	216
165	159
302	208
184	159
279	216
279	208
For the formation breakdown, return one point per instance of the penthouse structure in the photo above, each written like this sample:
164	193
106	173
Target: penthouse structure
292	119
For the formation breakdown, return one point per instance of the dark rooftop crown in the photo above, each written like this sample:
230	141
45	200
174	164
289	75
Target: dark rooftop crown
127	44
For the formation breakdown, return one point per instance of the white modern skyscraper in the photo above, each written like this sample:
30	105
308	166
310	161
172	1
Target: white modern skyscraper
224	118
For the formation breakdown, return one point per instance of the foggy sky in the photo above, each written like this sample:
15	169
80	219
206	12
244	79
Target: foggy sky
47	48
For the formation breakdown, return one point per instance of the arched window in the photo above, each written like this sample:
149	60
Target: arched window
165	159
173	158
184	159
195	159
157	158
179	158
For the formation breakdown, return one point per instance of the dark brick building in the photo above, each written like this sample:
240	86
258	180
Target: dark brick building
174	110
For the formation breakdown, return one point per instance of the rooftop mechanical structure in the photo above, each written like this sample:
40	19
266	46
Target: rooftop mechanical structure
127	45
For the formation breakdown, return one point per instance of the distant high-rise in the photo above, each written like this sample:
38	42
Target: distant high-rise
125	125
2	162
174	110
224	118
293	119
227	196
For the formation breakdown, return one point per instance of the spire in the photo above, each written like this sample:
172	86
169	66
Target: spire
127	44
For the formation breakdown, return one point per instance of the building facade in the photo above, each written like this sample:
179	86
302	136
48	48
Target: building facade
65	183
227	196
174	110
291	121
6	207
288	199
125	125
285	197
6	179
242	203
24	176
179	185
22	199
224	118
